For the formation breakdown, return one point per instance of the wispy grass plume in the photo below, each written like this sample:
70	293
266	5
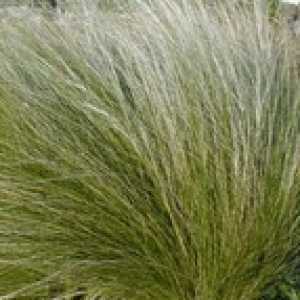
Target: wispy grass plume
148	152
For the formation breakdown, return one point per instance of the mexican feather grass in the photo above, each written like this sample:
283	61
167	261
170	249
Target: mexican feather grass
147	152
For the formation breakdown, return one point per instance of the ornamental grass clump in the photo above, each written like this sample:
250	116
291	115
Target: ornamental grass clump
148	152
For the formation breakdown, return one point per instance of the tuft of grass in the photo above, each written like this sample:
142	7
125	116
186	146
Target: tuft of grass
150	152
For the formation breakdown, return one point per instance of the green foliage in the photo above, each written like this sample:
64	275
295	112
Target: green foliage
286	287
147	153
273	8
